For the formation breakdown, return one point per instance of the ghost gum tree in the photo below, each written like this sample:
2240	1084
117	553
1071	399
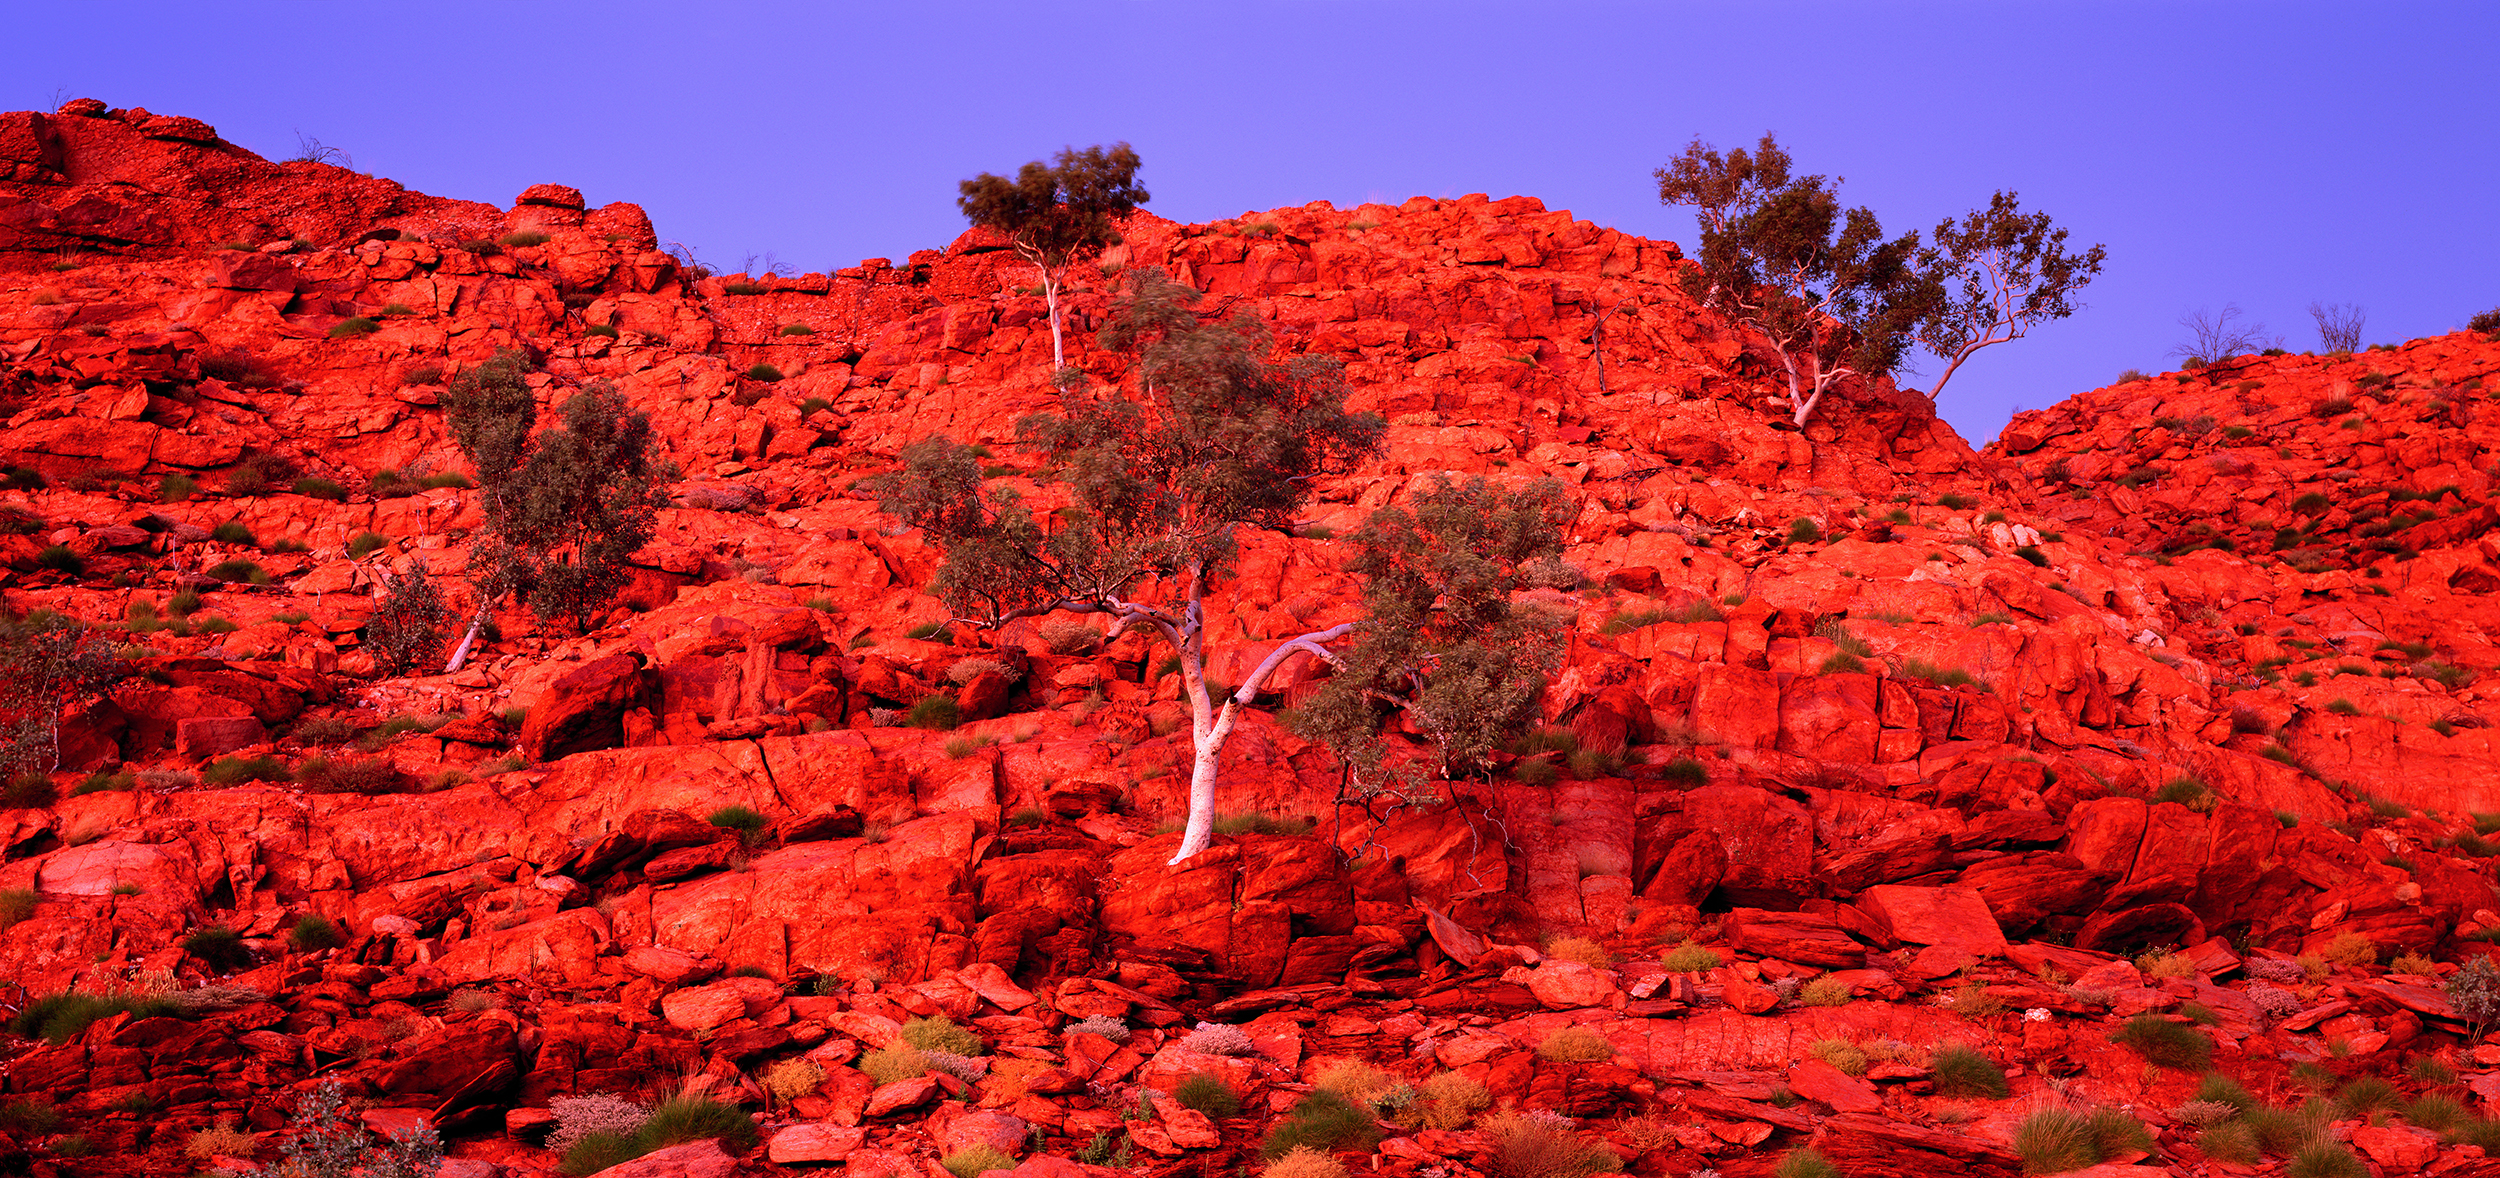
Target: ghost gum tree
1833	298
1818	283
1445	638
1057	214
1211	437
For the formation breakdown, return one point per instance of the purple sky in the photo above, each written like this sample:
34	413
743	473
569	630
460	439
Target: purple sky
2264	154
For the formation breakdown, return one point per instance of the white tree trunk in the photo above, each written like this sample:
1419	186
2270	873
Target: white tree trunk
1210	724
460	655
1050	296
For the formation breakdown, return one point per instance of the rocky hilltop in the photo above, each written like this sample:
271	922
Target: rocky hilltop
1911	793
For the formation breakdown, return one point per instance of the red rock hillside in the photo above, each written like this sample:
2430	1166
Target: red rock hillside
2148	744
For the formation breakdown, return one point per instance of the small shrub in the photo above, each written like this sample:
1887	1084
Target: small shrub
2367	1095
242	770
1824	991
797	329
523	237
311	934
939	1033
341	775
692	1116
2058	1139
238	570
1299	1162
2438	1112
936	712
1963	1072
1689	958
1355	1080
1804	1162
60	1017
1450	1100
16	905
1535	1145
2474	993
1104	1025
748	824
1803	530
764	372
2351	949
219	947
2163	1043
1207	1093
1324	1120
365	543
1841	1054
603	331
1973	1001
973	1161
28	1115
221	1140
1581	950
1218	1039
1575	1045
174	488
2325	1158
354	326
60	559
2232	1143
233	532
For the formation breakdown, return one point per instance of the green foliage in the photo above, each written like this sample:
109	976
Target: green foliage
2232	1142
174	488
364	544
238	570
320	488
1207	1093
894	1061
1443	637
1782	258
1997	273
564	509
47	664
59	1017
972	1161
1804	1162
2179	1046
748	824
938	712
764	372
691	1116
405	632
233	532
218	947
1803	530
326	1139
1216	438
1326	1121
1964	1072
931	632
1528	1146
2474	993
29	1115
16	904
2325	1158
2366	1095
1686	772
1689	958
602	330
797	329
311	934
593	1152
369	775
2058	1138
60	559
939	1033
1940	676
354	326
522	237
1058	213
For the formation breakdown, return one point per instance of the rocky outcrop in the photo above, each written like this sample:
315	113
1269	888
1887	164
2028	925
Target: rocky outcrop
1951	738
